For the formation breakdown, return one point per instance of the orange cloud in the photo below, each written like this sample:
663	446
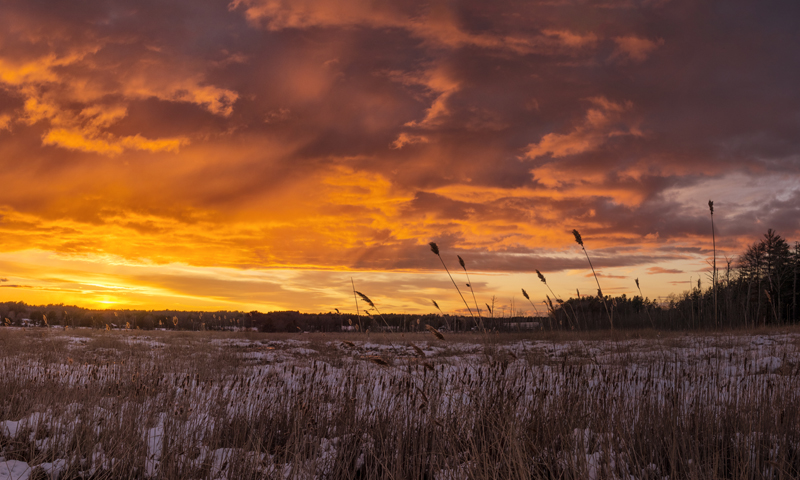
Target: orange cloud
192	90
39	70
439	83
635	48
572	39
657	270
436	24
53	85
408	139
75	140
600	123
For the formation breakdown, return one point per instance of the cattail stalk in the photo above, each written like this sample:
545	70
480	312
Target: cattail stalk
369	302
469	284
794	282
579	241
558	300
358	313
435	250
714	267
528	298
647	310
440	311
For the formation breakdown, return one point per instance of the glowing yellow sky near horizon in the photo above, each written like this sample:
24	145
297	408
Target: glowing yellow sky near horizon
39	277
130	260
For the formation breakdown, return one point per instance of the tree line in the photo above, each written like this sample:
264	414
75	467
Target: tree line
757	288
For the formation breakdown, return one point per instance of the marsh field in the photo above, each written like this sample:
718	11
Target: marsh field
635	404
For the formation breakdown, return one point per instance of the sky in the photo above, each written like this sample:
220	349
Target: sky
273	154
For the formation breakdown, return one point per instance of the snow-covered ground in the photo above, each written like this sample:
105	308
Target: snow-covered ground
123	405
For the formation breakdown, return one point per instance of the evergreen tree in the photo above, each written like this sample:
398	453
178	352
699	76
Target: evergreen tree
767	267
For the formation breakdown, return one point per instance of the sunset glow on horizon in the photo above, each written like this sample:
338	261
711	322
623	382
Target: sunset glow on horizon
261	154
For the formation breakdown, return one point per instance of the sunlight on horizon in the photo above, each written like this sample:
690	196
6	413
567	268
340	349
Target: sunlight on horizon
185	287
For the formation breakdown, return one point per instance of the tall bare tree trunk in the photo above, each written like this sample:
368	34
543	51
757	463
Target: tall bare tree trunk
747	306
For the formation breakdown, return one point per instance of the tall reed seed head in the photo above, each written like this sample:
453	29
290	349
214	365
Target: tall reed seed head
711	206
436	333
541	277
379	361
461	262
525	294
434	248
637	283
578	238
366	299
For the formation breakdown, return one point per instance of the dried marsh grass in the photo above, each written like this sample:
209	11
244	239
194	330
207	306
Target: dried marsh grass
545	405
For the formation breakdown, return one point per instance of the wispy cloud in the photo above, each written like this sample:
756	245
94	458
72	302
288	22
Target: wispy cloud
657	270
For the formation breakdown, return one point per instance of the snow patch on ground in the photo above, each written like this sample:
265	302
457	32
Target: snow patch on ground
14	470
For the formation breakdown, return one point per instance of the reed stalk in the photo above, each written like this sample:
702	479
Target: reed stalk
435	250
579	241
714	267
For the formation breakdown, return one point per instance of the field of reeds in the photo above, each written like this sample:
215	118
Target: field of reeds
591	405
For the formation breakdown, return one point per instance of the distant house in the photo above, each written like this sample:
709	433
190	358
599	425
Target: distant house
27	322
